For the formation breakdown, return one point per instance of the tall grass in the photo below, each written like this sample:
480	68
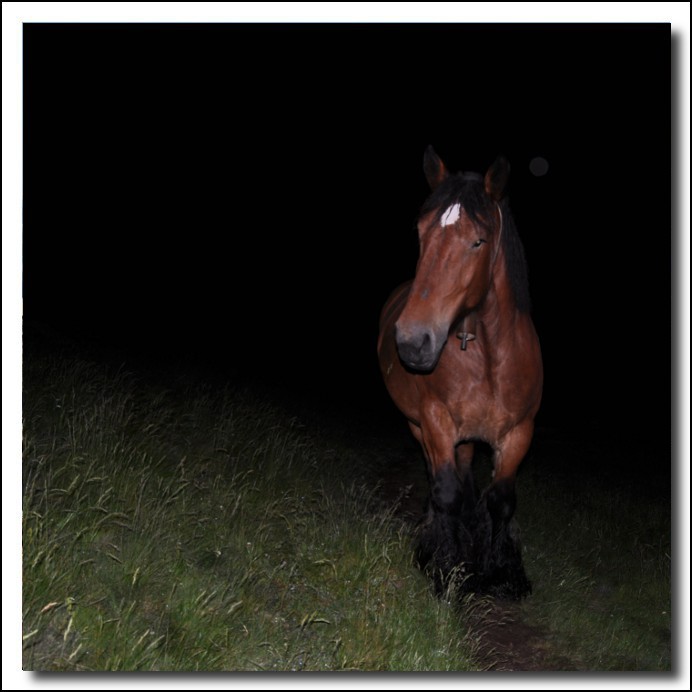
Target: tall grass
204	530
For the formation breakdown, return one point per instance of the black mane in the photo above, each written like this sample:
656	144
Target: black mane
467	189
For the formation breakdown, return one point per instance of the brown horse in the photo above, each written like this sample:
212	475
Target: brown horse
460	358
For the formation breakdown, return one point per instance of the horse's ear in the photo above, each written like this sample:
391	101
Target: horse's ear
496	178
435	170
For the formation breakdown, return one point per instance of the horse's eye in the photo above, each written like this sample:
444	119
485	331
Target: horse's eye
479	242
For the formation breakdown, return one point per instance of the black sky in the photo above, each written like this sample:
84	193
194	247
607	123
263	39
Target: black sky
245	195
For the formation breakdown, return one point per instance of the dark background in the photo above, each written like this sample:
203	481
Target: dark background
243	197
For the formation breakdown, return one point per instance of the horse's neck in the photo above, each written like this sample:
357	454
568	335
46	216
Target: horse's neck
498	311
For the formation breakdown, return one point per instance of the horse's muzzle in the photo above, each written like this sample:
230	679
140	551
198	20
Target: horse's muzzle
419	347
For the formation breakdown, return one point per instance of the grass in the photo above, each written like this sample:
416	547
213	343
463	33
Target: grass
200	530
193	529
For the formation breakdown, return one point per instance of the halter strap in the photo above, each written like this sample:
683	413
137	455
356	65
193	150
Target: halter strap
499	235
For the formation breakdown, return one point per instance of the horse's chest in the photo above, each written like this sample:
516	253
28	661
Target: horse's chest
475	397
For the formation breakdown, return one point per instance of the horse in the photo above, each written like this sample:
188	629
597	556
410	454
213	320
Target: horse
461	360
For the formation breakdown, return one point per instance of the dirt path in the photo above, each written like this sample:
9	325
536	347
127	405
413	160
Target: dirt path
507	643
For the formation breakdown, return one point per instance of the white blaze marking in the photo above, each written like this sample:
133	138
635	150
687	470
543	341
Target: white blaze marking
451	215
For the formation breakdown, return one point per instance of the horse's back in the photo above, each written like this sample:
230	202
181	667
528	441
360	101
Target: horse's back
394	305
400	382
386	341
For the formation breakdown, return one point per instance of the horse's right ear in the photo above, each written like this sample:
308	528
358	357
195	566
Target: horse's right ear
496	178
435	170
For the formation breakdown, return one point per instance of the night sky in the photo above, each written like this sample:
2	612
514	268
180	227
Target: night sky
244	197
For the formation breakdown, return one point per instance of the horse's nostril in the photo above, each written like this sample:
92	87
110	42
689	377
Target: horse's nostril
411	339
416	347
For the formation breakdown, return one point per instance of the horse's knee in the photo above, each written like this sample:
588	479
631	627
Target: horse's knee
441	546
445	493
501	501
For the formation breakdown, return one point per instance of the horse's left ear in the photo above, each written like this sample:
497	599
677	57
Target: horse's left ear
496	178
433	167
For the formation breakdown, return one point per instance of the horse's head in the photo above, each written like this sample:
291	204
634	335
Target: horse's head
459	233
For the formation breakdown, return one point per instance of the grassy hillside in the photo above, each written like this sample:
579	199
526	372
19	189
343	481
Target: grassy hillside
192	529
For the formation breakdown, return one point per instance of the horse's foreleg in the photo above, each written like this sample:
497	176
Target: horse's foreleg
464	461
502	568
444	544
